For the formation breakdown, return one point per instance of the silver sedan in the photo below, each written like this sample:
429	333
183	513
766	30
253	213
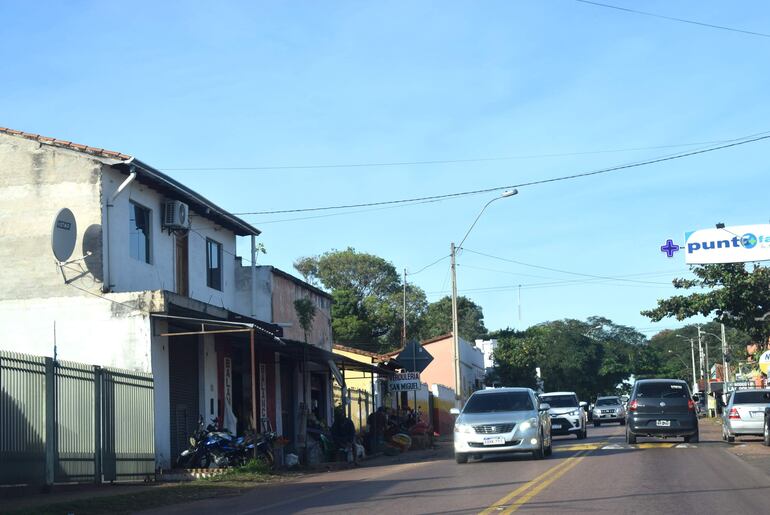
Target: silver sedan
745	414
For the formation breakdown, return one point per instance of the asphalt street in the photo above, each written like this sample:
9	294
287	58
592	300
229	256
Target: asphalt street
599	474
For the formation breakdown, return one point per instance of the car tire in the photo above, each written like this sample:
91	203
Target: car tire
549	449
766	434
461	458
597	424
630	437
582	435
539	454
622	422
730	439
692	438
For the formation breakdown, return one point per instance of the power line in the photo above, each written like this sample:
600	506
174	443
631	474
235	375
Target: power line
560	270
671	18
740	141
439	260
438	161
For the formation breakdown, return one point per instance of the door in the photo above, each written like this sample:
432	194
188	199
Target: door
182	266
183	391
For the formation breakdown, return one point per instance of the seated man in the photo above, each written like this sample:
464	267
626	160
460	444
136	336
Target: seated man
344	434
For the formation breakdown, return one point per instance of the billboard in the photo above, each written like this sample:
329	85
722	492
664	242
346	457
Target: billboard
736	244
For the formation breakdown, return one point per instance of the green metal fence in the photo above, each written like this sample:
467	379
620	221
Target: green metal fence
70	422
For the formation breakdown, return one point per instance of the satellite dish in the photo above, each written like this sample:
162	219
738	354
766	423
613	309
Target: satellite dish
64	234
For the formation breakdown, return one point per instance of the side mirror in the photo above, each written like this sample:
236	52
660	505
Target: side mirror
695	398
454	411
583	404
544	407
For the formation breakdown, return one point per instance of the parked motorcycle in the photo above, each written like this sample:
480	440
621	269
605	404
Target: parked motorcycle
210	447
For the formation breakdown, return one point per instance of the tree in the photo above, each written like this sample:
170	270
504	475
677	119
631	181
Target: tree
367	295
305	310
734	296
590	358
470	319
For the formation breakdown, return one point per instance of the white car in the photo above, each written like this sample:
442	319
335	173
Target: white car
609	409
501	421
568	415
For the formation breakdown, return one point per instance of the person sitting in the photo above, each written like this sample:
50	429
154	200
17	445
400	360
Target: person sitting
344	434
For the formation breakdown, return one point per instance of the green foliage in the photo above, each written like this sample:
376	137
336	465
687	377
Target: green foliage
367	309
590	358
470	319
734	296
306	311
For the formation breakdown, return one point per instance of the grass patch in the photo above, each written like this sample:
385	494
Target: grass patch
233	482
161	495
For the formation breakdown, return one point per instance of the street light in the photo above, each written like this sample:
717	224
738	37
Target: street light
724	352
692	353
455	323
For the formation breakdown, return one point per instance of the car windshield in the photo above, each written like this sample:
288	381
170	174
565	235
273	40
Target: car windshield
612	401
560	401
752	397
662	390
502	401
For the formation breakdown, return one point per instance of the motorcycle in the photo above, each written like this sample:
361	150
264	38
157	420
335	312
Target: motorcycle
210	448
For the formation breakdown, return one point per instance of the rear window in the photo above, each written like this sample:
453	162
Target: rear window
755	397
662	391
502	401
608	402
560	401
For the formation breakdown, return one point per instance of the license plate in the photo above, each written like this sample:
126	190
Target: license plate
555	426
663	423
494	440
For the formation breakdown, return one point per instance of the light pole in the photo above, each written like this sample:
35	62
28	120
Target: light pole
455	323
679	358
724	351
692	354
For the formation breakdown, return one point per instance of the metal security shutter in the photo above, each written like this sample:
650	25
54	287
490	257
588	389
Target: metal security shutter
183	391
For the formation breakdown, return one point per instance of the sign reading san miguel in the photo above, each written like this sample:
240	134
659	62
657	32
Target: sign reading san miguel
406	382
736	244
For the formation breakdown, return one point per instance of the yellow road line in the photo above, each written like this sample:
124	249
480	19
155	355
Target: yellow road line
654	445
529	495
580	446
505	500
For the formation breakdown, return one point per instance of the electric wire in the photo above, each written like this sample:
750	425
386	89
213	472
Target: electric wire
439	260
672	18
439	161
541	267
735	143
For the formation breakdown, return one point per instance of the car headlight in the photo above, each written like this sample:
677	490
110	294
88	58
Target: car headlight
527	424
573	413
463	428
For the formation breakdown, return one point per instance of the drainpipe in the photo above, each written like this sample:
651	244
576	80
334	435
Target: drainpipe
253	276
106	286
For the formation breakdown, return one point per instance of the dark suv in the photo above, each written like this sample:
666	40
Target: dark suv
663	408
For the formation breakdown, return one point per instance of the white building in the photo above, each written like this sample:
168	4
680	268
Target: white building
488	348
152	259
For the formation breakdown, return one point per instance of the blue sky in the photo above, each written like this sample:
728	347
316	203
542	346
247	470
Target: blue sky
258	84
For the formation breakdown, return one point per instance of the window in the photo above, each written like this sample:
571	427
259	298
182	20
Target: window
560	401
139	232
661	390
752	397
213	264
608	401
499	401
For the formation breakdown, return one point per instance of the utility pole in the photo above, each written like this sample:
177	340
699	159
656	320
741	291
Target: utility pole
455	336
694	379
725	370
403	330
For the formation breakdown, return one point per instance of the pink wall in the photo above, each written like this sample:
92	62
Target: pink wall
441	370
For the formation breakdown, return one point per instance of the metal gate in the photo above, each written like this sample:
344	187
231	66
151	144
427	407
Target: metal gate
70	422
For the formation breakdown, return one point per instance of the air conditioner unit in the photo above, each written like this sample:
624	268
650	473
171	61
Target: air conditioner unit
176	215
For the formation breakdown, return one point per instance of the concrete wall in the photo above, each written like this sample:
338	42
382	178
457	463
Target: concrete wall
36	181
275	303
91	330
285	292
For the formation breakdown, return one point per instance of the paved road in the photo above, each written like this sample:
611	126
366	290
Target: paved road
600	474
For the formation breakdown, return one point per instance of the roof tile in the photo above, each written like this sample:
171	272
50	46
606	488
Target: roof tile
100	152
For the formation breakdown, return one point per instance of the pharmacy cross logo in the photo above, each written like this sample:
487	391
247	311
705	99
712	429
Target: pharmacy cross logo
669	248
